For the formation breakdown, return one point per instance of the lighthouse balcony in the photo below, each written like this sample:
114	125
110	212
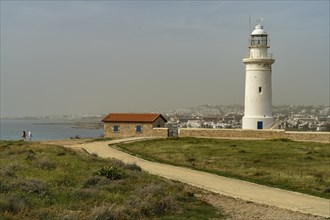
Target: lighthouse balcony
255	58
259	55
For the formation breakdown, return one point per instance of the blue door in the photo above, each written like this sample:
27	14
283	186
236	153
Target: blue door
259	125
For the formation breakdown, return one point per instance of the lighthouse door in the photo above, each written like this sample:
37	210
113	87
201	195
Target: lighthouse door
259	125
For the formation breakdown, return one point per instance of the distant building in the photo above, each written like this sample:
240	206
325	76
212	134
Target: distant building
134	125
196	123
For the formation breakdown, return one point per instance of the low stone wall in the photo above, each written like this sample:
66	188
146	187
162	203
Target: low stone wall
258	134
230	133
159	132
308	136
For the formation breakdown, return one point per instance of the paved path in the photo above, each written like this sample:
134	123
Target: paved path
218	184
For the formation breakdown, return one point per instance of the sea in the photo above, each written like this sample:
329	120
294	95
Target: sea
46	129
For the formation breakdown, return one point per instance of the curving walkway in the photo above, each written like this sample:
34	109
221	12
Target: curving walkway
230	187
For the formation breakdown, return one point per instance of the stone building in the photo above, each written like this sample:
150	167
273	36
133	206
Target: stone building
117	125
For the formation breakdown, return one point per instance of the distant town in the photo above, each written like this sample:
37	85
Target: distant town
290	117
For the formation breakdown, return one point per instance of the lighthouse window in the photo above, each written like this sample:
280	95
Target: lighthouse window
260	89
259	40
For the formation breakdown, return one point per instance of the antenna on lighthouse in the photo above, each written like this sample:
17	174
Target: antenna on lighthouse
259	20
249	38
249	23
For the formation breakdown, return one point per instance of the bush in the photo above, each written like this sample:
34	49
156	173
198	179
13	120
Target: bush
282	139
154	204
4	187
13	204
139	207
46	164
62	153
9	170
133	167
166	204
33	186
118	163
108	212
91	182
242	151
111	172
83	193
65	181
4	206
31	155
190	158
327	190
150	190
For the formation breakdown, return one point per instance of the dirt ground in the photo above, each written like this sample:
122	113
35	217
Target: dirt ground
236	209
66	142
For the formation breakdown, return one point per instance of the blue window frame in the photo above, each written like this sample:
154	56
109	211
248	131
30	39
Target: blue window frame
259	124
138	128
116	128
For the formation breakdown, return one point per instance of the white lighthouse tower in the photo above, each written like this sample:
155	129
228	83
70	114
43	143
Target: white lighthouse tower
258	82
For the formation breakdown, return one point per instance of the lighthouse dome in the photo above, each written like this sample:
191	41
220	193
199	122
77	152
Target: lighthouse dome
259	30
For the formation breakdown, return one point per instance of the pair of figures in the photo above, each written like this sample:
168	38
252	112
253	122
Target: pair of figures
24	135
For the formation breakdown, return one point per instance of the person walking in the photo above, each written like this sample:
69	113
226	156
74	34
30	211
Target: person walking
30	135
24	135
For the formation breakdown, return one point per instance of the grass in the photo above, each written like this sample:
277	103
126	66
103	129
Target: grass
281	163
39	181
99	139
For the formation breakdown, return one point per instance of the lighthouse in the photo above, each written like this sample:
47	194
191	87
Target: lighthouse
258	82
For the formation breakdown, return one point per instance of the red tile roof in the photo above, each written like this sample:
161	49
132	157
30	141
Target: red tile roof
119	117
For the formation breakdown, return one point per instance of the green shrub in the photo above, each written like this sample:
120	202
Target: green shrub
327	190
118	163
9	170
91	182
190	158
46	164
33	186
61	153
108	212
282	139
31	155
111	172
4	187
166	204
65	180
133	167
150	190
83	193
13	204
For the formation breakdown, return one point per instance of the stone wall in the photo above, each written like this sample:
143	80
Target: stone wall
148	130
258	134
160	132
229	133
129	130
308	136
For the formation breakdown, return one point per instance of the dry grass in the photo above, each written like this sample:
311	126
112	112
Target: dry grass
298	166
40	181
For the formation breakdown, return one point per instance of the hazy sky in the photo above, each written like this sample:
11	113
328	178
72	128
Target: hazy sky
60	57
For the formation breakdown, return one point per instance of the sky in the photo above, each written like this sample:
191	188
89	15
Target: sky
95	57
